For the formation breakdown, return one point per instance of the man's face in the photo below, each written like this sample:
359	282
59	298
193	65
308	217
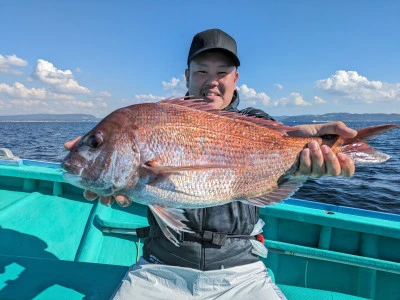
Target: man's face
212	76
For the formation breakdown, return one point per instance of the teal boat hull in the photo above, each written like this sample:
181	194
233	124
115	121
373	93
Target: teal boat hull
54	244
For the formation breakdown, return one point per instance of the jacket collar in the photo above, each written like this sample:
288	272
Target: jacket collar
233	106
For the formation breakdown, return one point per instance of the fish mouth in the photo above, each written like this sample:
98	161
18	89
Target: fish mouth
70	168
77	180
74	175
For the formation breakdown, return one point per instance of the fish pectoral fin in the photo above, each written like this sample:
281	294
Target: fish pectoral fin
154	175
285	189
172	218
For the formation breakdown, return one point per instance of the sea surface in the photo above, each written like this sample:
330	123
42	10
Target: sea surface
374	186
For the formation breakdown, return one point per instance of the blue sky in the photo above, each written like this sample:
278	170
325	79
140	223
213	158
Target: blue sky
298	57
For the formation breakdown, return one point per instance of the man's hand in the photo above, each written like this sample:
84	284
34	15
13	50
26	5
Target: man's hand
89	195
317	161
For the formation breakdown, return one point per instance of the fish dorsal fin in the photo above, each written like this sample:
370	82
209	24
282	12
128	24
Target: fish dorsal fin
199	104
284	191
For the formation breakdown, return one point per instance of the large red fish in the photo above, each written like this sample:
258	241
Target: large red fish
183	154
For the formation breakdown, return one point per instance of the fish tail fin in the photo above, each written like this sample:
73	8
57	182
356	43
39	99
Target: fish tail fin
361	152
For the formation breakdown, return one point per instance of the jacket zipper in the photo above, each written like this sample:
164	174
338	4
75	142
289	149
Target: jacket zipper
202	258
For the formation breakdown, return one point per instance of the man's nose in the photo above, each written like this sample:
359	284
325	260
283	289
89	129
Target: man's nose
212	79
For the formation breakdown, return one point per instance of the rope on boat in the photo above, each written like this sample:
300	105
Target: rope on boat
9	158
8	155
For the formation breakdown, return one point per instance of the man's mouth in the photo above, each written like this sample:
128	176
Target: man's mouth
211	94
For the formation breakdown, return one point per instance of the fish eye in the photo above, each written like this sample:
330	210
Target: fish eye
94	140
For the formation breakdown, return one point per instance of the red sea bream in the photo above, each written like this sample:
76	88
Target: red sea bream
181	154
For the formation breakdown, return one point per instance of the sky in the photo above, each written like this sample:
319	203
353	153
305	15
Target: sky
297	57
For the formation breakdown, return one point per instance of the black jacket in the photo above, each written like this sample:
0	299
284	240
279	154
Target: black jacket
234	218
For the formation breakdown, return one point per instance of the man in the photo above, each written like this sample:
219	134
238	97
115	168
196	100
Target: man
217	260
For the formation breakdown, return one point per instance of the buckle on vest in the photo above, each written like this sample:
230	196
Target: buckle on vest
215	238
181	236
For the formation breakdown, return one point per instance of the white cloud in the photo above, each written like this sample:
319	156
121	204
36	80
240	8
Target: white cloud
350	84
319	100
279	86
6	62
18	90
251	97
27	103
62	81
294	99
9	71
78	70
146	98
81	103
104	94
62	92
56	96
13	60
29	106
101	95
176	87
40	100
298	100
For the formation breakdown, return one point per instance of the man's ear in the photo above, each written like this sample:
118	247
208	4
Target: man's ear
187	74
236	78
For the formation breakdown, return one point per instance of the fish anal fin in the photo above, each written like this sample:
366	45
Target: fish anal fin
364	153
359	151
170	218
282	192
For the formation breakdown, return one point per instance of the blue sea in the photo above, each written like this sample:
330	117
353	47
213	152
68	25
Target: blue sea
374	186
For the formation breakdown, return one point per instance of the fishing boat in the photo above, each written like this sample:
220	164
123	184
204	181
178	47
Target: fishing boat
56	245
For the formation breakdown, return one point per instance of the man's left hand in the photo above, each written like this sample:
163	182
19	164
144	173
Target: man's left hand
316	160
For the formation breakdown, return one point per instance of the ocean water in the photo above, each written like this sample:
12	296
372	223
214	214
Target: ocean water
374	186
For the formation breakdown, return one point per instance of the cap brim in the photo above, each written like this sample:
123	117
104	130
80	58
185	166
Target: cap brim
235	59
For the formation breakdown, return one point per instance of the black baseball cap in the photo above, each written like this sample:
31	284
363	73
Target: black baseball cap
213	39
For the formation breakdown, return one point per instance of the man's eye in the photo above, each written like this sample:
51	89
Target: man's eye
201	72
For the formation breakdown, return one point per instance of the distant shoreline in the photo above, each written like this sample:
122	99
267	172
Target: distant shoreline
344	117
50	118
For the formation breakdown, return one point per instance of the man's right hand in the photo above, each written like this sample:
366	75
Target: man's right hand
121	200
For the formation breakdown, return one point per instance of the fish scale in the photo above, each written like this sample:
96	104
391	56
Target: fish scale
180	154
235	156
